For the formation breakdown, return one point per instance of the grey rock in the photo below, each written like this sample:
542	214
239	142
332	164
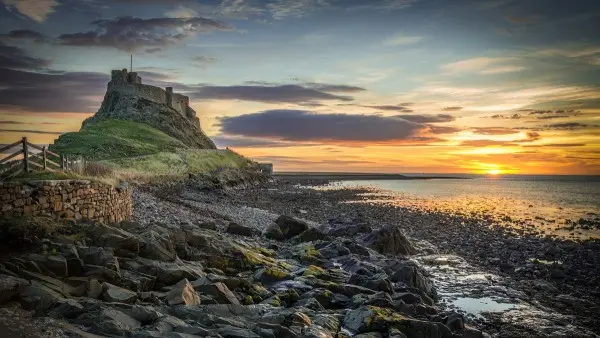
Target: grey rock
290	226
315	331
389	241
273	231
218	291
94	289
108	321
156	246
238	229
113	293
183	293
10	287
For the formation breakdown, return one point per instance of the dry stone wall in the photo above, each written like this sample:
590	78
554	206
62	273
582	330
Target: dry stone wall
70	199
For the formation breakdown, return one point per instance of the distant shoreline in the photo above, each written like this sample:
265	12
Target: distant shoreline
355	176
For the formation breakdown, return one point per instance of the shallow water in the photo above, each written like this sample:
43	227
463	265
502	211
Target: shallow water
547	203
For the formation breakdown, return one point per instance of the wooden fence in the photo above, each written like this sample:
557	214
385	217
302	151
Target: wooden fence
25	160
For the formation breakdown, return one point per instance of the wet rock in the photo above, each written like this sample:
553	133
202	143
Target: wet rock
166	273
108	321
455	322
411	274
315	331
375	319
310	234
377	282
290	226
57	265
96	255
238	229
218	291
297	319
10	287
183	293
273	231
113	293
389	241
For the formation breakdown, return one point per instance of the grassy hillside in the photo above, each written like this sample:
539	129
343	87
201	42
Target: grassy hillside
107	139
137	152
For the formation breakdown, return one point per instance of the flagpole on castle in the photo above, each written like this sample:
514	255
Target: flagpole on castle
131	64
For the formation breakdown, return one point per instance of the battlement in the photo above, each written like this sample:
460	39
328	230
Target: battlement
131	82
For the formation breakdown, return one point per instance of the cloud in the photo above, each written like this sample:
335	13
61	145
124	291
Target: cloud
267	94
427	118
37	10
523	20
494	131
29	131
383	5
16	58
486	143
300	125
401	40
333	88
502	70
398	108
181	11
56	92
25	34
129	33
281	9
452	108
242	142
482	65
502	117
568	126
443	129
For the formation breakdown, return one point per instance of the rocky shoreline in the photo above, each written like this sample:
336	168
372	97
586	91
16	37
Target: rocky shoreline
274	260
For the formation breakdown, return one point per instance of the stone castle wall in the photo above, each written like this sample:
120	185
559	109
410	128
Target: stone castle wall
70	199
127	82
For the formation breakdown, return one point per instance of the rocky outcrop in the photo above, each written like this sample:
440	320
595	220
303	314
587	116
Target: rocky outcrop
122	105
176	279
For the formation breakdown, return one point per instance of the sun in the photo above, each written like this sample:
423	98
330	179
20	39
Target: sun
494	172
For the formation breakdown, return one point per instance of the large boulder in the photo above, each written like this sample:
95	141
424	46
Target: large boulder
183	293
273	231
108	321
156	246
10	287
113	293
218	291
290	226
376	319
238	229
389	241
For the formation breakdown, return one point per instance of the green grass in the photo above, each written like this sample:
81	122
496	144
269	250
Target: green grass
108	139
177	164
136	152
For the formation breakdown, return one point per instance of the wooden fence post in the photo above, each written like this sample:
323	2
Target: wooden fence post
62	162
44	156
25	155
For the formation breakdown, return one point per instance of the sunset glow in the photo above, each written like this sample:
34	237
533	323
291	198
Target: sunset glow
358	86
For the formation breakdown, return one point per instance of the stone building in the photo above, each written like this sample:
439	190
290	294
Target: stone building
131	82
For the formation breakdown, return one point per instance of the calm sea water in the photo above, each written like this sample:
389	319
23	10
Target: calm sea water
546	202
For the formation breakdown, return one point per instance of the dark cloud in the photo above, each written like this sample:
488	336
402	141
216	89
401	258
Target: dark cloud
428	118
16	58
129	33
333	88
390	108
11	122
268	94
557	145
550	117
568	126
503	117
231	141
153	50
299	125
452	108
486	143
495	131
443	130
31	131
55	92
25	34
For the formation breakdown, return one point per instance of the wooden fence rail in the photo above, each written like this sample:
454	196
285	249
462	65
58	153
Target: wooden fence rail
44	160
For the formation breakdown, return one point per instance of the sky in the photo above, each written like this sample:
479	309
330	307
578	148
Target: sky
390	86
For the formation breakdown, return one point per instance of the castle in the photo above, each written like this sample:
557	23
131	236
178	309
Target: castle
131	82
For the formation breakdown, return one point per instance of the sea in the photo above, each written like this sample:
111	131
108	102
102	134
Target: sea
558	205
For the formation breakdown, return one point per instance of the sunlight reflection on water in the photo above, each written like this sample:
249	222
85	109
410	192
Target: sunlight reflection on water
545	205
